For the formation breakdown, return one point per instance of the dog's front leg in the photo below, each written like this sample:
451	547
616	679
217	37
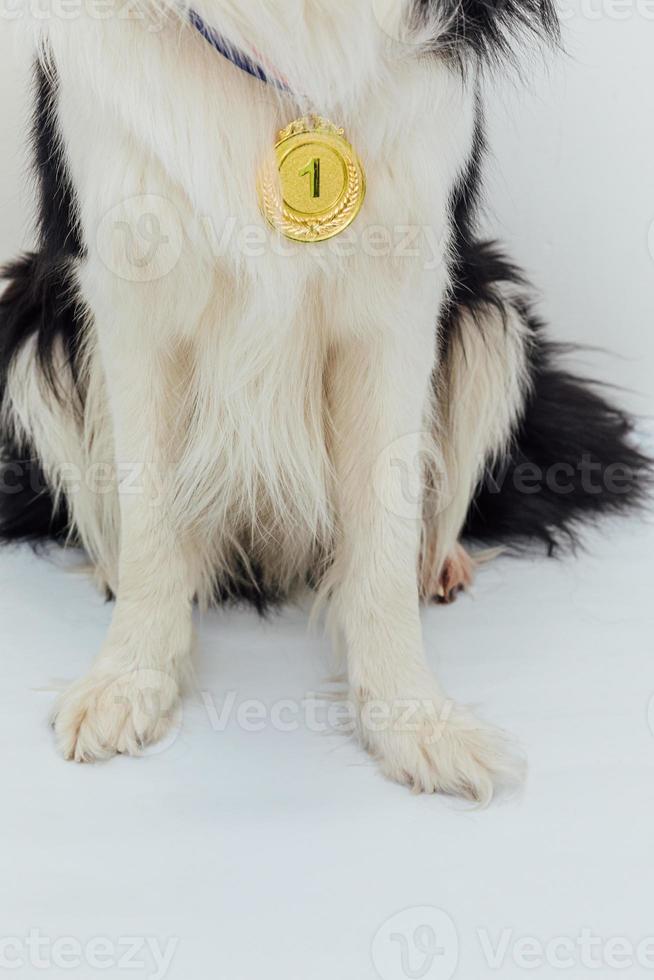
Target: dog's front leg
379	398
128	698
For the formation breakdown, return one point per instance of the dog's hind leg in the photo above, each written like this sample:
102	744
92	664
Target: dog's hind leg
480	392
444	584
59	460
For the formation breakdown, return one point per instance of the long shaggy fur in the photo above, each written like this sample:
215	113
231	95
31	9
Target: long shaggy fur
490	29
573	457
40	305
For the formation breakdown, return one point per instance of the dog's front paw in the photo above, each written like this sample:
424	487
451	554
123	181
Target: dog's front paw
435	746
107	713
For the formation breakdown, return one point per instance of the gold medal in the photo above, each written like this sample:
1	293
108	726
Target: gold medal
320	185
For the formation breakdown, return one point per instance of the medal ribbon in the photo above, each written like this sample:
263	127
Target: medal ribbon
266	74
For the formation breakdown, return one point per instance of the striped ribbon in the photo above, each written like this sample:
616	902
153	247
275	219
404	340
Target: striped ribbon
260	69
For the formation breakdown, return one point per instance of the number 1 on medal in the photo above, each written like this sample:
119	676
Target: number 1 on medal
312	170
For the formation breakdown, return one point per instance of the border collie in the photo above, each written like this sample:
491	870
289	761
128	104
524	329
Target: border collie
214	412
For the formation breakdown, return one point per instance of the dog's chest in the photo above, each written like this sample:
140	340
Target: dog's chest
163	114
194	120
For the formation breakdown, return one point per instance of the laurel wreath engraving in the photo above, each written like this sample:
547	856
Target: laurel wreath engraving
310	228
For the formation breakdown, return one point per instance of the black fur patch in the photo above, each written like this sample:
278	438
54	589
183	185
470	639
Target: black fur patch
248	586
478	270
574	458
40	301
27	508
489	28
48	306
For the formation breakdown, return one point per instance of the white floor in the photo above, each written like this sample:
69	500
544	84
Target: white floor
266	854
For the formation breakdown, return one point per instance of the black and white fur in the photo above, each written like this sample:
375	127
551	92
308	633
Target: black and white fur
207	422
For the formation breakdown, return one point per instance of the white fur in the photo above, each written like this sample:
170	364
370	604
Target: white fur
482	388
264	401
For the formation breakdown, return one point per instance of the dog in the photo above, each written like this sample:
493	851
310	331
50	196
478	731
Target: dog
215	410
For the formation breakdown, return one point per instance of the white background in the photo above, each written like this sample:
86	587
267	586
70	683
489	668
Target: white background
280	855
